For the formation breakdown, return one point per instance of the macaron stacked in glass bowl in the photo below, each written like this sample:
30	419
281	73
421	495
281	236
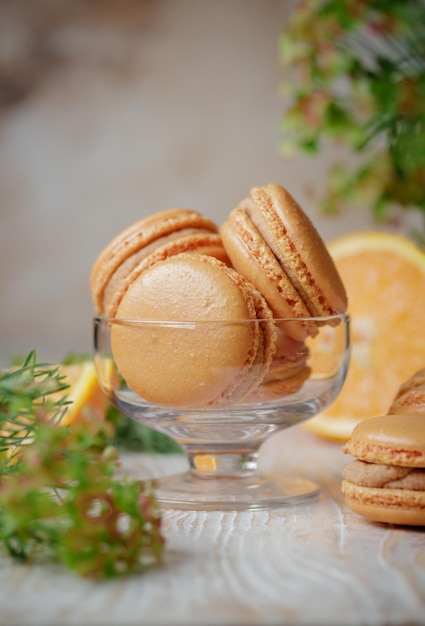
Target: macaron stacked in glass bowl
220	337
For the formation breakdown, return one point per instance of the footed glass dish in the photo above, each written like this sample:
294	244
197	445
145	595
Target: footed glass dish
221	405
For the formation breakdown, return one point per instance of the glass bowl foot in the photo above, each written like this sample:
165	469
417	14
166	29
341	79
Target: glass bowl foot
254	492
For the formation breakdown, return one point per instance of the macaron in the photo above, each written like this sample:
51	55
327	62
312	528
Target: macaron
386	481
164	233
271	241
217	340
288	371
290	357
209	244
410	397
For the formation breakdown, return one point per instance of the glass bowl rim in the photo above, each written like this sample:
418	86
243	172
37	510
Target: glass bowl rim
191	322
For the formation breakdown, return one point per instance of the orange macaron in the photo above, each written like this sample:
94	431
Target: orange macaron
386	481
288	371
217	341
271	241
162	234
410	397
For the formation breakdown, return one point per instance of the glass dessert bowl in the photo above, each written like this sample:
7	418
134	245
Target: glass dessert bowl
220	394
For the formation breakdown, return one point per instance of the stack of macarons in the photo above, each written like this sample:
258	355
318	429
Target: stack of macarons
265	263
386	481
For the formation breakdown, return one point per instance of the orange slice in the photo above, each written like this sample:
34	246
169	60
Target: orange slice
384	275
87	403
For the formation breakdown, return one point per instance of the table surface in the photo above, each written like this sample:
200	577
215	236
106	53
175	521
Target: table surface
313	564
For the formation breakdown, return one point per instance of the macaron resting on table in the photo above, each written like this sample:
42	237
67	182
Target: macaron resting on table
208	354
386	481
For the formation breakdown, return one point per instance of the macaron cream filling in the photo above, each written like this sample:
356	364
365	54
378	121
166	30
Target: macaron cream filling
384	476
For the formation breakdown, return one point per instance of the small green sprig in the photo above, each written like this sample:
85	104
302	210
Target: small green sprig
29	394
60	498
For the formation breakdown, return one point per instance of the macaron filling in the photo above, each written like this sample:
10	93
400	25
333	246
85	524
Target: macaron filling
384	476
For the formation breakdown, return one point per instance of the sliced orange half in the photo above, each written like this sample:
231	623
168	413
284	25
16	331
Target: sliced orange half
87	403
384	275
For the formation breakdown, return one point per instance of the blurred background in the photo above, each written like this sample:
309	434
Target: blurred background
113	109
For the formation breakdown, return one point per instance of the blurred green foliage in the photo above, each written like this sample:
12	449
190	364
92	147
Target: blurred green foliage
354	75
60	499
135	437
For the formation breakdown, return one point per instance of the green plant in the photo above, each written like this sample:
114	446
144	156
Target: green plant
355	75
59	495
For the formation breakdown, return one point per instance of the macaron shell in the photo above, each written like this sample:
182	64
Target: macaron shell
199	366
390	506
136	237
397	439
299	248
251	257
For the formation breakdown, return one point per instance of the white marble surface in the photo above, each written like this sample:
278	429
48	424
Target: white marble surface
314	564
